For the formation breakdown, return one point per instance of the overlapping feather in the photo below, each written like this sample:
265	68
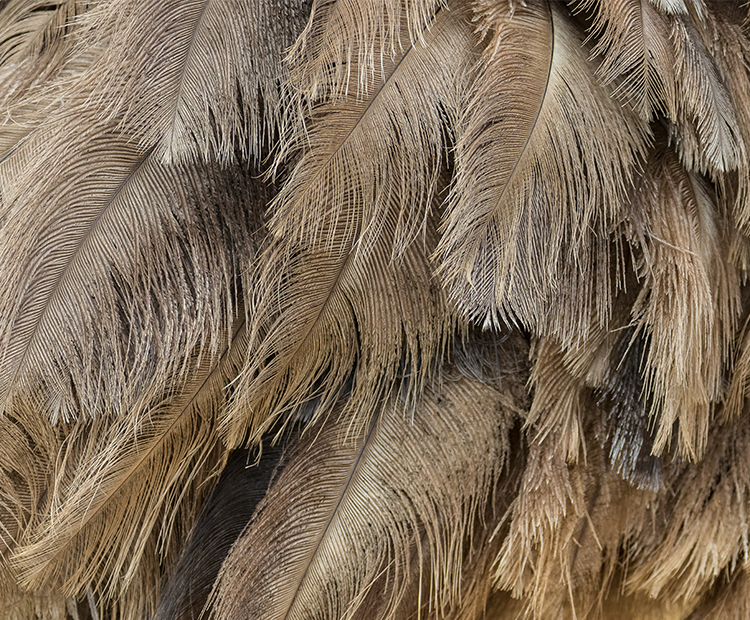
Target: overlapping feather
429	464
347	279
511	227
195	80
347	507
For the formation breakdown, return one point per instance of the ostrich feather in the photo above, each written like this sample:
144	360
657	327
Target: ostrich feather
352	235
356	516
507	231
384	309
142	233
233	501
705	533
637	55
139	479
684	245
195	80
706	131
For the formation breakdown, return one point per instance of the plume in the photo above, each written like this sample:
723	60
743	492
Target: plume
384	309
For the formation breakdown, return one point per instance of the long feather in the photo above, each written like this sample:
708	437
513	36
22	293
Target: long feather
348	276
89	318
637	54
347	507
684	246
704	530
510	227
232	503
350	172
706	130
125	491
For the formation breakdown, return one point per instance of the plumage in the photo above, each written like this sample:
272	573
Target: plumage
498	264
384	309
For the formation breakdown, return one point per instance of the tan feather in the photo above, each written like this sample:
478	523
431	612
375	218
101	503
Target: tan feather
728	599
725	38
706	133
350	173
134	477
705	524
34	40
684	248
637	55
346	280
68	351
197	80
509	228
347	44
347	507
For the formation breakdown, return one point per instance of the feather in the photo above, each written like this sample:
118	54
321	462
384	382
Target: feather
67	351
684	248
672	6
328	316
725	38
706	131
346	507
360	283
508	229
637	54
705	524
347	44
729	598
349	174
231	505
137	472
33	40
195	80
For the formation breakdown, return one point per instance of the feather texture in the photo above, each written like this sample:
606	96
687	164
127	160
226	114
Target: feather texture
195	80
683	244
346	231
506	230
468	280
230	507
356	516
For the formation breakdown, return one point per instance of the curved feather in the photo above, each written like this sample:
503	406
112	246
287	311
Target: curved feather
684	248
705	529
706	130
510	225
347	45
359	156
241	487
637	55
347	507
90	258
346	280
127	488
197	80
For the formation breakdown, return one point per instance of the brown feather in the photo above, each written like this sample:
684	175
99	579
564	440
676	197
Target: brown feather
509	227
348	506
